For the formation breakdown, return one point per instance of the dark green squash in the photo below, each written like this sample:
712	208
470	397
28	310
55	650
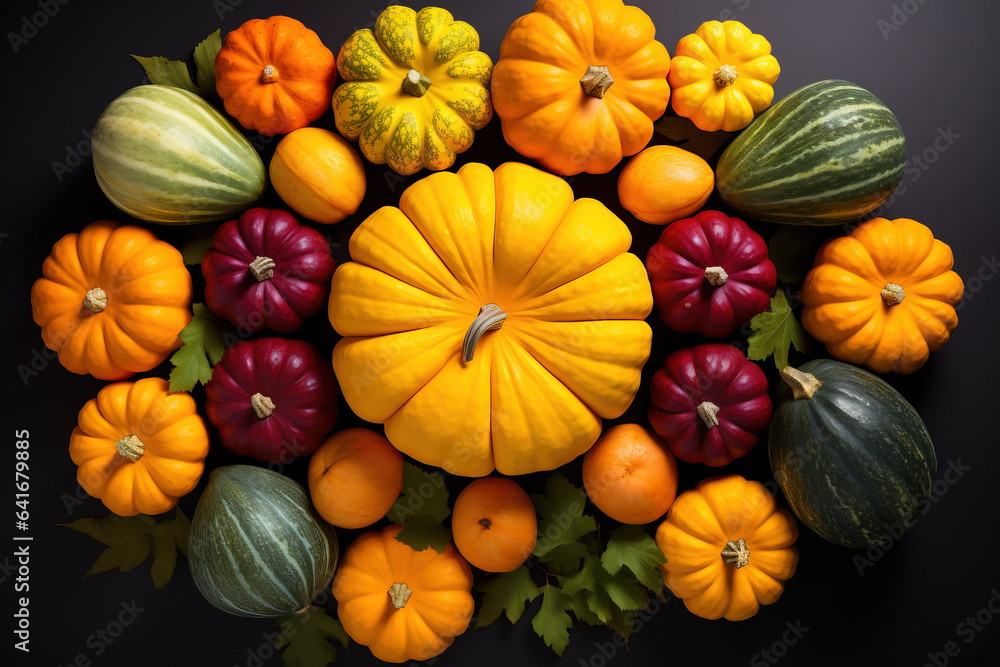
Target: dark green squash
257	547
851	455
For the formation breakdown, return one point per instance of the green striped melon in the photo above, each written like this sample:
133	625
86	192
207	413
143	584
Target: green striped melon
257	548
163	154
827	154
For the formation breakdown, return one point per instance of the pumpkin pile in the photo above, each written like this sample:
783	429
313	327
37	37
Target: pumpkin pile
493	320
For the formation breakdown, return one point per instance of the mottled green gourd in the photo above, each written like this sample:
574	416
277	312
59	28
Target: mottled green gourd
852	457
827	154
165	155
257	547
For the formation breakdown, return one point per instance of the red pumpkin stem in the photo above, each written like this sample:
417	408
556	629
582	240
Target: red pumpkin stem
399	594
736	553
262	405
416	84
131	447
803	385
269	75
262	268
708	412
96	300
725	76
596	81
490	318
893	294
716	276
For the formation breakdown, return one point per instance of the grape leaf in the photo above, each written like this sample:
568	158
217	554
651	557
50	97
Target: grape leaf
203	347
306	638
422	506
623	622
552	623
631	547
792	249
775	331
561	517
194	250
204	62
681	132
167	72
507	593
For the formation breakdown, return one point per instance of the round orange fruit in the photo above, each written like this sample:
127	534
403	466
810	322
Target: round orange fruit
665	183
494	524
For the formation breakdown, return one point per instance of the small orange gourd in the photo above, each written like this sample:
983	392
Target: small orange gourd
884	296
494	524
400	603
139	447
729	548
274	75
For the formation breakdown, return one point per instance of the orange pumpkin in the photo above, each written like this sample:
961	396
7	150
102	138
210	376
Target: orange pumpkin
663	184
729	548
884	296
274	75
579	84
494	524
138	447
112	300
400	603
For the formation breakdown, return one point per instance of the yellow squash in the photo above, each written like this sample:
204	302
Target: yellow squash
491	320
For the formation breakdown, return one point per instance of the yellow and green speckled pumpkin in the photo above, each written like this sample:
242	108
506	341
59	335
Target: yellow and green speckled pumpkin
416	89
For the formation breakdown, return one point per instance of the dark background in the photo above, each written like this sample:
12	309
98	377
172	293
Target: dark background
928	60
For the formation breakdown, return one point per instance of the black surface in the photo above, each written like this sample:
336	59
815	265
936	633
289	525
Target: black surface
935	72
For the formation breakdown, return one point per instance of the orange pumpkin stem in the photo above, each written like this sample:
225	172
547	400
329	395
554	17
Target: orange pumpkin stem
716	276
96	300
708	412
415	83
262	405
596	81
803	385
262	268
485	523
893	294
736	553
491	317
269	75
399	594
725	76
131	447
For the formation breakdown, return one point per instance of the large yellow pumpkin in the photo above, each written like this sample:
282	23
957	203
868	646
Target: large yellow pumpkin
491	321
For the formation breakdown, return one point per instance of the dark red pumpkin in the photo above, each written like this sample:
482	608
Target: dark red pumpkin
709	403
272	398
710	274
266	271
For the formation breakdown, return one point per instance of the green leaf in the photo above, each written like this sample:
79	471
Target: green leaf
792	249
181	529
204	62
164	554
552	623
775	331
194	250
583	613
507	593
582	580
565	557
681	132
560	512
632	547
203	347
167	72
422	506
623	622
623	589
306	638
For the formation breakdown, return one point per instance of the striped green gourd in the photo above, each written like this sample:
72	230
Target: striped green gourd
163	154
257	548
827	154
852	457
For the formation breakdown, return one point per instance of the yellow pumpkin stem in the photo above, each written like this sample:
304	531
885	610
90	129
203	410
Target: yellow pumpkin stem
269	75
131	447
716	276
490	318
415	83
596	81
736	553
262	405
803	385
708	412
725	76
262	268
893	294
96	300
399	594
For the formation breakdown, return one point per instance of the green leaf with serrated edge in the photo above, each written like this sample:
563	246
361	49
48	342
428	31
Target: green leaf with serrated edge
167	72
622	621
599	602
632	547
421	532
582	612
775	331
306	638
181	530
164	554
124	555
582	580
552	623
204	62
792	249
565	555
194	250
203	347
114	529
422	506
507	593
681	132
560	511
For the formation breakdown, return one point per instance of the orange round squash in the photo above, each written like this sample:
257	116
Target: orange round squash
138	447
884	296
112	300
579	84
400	603
729	548
630	474
665	183
494	524
355	477
274	75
